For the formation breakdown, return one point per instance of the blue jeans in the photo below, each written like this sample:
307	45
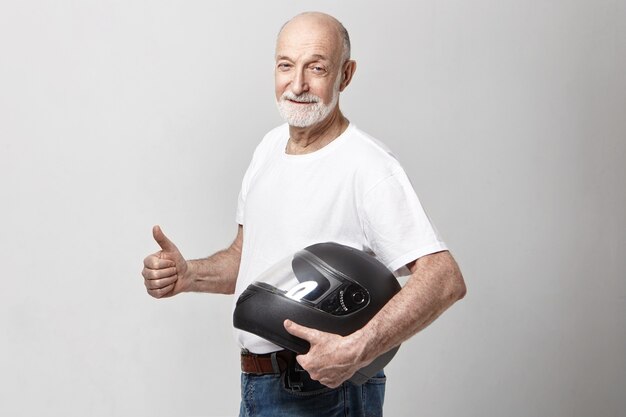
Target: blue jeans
268	396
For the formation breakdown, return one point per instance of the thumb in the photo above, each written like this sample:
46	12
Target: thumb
165	244
302	332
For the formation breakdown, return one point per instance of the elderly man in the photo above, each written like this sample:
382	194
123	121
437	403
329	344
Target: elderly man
319	178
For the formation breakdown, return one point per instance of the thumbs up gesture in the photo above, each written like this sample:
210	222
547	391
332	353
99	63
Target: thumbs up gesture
165	272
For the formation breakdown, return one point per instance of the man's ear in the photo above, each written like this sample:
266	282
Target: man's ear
346	74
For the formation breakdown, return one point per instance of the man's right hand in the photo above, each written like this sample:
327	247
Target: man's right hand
165	272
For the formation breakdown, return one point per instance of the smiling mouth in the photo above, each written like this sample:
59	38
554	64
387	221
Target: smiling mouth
300	102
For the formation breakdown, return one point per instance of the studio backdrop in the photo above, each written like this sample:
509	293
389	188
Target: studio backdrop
508	116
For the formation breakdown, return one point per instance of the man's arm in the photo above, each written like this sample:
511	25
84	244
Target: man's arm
167	273
435	284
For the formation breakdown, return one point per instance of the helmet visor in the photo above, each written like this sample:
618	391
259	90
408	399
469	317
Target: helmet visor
307	279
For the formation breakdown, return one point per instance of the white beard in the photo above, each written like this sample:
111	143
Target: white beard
304	115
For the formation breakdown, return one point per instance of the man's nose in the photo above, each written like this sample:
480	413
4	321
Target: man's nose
299	83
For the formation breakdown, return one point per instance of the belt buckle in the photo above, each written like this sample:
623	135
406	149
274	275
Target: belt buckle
293	376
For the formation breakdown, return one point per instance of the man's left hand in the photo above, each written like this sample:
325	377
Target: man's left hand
331	360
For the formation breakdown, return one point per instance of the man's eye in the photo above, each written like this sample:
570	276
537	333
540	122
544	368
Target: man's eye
283	66
317	69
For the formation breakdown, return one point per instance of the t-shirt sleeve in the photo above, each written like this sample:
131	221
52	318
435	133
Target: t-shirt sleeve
395	224
245	186
240	205
260	154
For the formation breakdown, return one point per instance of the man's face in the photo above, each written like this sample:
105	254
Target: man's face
307	72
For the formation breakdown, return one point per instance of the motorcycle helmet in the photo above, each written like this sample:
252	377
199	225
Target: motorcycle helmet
326	286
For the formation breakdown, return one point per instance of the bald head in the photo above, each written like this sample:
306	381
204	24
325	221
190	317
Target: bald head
322	22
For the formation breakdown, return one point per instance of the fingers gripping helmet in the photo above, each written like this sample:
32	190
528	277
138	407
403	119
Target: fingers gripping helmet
327	286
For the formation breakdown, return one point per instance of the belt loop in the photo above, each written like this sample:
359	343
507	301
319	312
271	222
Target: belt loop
257	365
275	366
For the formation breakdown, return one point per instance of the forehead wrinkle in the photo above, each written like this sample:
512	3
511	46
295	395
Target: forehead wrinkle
308	58
307	51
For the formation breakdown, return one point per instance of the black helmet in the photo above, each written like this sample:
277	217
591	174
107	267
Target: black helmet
326	286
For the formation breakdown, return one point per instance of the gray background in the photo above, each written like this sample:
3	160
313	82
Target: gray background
509	117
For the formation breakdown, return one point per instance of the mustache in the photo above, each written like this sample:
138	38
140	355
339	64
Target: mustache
302	98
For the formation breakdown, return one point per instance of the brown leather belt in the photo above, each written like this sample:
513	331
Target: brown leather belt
269	363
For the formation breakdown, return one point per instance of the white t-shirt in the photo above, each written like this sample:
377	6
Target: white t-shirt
353	191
